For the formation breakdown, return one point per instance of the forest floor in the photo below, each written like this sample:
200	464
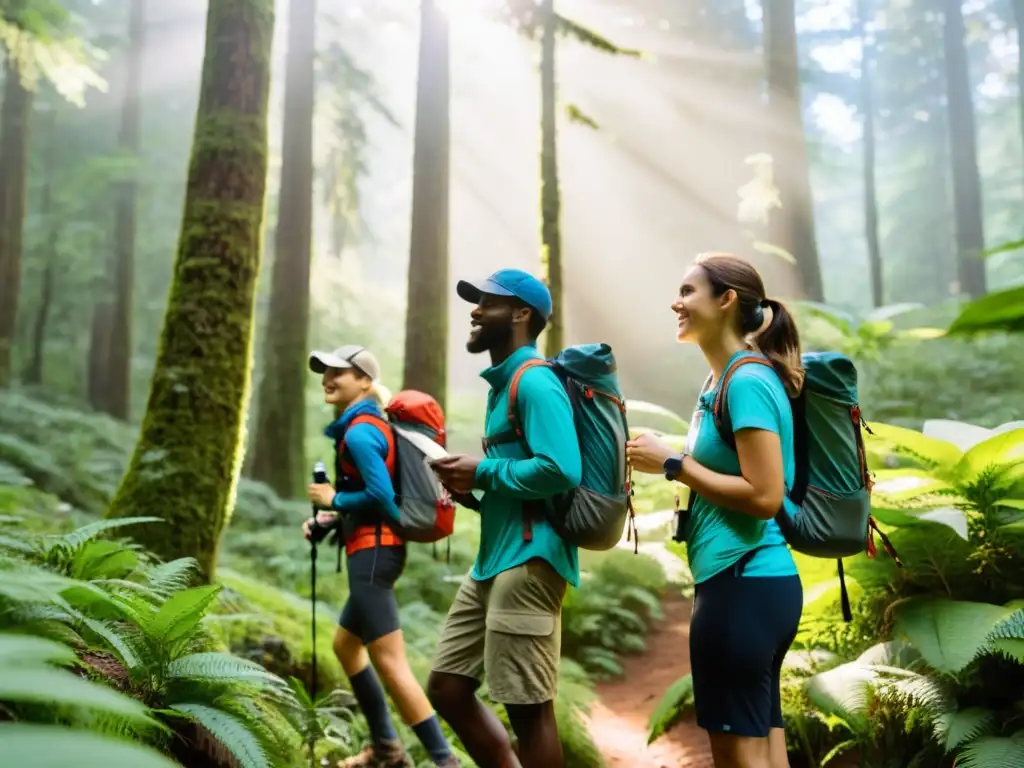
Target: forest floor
618	721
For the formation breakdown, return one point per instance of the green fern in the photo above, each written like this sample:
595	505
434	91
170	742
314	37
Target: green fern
993	752
53	746
233	734
677	701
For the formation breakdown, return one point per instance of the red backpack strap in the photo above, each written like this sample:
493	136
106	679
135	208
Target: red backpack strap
389	435
515	429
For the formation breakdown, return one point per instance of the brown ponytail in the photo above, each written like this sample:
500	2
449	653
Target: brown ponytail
780	340
780	343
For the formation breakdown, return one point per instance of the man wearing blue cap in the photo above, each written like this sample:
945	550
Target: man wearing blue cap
506	620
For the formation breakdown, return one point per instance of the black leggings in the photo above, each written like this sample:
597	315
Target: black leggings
371	610
740	632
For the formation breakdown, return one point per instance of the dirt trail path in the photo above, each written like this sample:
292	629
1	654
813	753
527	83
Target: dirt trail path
618	722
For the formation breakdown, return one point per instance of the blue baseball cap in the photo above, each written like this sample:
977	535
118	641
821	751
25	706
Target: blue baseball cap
509	282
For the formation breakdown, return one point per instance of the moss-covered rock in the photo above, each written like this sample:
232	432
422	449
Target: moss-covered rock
186	463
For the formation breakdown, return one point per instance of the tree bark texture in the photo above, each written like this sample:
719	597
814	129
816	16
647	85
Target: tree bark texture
967	206
426	324
14	144
34	368
278	445
186	463
119	361
791	228
550	194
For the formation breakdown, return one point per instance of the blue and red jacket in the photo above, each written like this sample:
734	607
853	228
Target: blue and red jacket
364	471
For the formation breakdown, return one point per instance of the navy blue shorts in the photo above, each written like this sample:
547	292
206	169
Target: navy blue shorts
740	631
371	610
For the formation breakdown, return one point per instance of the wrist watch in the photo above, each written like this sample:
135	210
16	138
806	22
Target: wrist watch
673	466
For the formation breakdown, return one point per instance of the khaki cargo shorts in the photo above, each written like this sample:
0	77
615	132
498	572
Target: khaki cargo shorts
507	631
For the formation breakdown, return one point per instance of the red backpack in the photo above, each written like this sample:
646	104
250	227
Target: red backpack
414	420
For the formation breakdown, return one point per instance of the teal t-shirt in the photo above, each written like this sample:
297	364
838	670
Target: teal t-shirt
718	537
511	475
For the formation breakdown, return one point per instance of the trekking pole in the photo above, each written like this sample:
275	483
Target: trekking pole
319	477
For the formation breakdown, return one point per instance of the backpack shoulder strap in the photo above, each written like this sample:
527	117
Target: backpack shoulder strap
515	429
386	430
720	410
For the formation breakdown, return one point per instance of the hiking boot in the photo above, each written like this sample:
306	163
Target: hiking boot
387	754
451	762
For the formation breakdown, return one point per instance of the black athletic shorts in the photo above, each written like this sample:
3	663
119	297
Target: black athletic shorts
739	634
371	610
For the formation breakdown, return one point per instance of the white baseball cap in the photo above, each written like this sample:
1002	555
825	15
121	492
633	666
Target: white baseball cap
348	356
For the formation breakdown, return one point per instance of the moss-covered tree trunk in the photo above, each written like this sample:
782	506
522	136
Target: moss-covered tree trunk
119	360
792	228
550	194
426	324
867	108
278	446
970	231
14	138
186	463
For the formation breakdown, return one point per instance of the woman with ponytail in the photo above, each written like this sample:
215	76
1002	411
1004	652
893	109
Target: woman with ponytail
748	596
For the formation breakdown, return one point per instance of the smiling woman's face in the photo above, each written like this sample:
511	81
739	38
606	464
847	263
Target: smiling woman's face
343	385
700	314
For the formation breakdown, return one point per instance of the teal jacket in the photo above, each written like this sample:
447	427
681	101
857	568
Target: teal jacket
512	475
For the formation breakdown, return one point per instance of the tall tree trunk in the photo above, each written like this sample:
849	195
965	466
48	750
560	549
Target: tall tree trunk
792	228
867	108
278	446
550	194
34	369
14	140
426	324
970	231
119	361
186	463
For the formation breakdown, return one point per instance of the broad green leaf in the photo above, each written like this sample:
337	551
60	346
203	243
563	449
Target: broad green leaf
100	559
46	685
1011	503
29	650
52	746
999	311
956	728
998	449
934	454
949	634
182	613
231	732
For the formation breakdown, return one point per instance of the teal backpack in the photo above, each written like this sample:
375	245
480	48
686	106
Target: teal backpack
594	514
833	484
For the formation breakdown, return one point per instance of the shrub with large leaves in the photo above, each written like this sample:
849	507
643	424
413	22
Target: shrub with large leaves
139	628
929	670
957	505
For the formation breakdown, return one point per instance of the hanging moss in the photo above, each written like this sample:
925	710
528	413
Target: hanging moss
187	460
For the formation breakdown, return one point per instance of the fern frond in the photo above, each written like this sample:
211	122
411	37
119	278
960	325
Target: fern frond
227	729
993	752
174	576
223	668
78	537
954	729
